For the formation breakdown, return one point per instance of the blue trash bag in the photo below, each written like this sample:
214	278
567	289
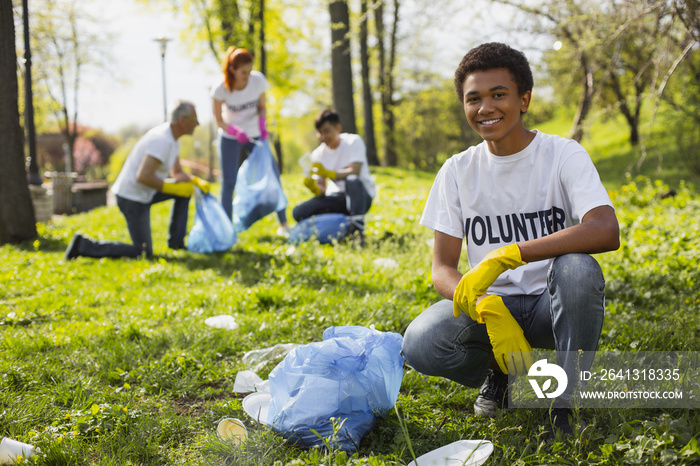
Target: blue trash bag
324	227
212	230
353	375
258	189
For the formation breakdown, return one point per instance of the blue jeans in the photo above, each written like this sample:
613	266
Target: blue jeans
138	221
229	155
354	201
567	316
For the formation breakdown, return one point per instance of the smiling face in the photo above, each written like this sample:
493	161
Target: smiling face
494	107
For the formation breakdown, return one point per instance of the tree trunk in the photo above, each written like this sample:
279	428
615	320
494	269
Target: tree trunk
261	19
379	26
632	119
341	65
386	82
388	95
16	209
230	22
586	100
367	101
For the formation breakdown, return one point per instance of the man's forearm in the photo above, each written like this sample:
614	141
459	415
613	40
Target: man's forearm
445	280
343	173
597	233
150	180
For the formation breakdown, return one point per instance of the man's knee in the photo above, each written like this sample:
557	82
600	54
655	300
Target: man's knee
576	282
298	213
579	272
463	356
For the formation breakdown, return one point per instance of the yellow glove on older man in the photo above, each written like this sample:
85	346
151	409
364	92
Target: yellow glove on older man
183	189
475	282
201	184
318	169
510	347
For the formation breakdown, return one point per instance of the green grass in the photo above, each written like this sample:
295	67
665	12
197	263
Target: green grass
109	361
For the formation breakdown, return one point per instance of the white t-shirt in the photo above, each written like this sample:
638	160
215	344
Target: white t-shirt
159	143
494	201
240	107
351	149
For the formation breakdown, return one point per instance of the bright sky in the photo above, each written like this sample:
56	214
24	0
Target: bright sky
135	94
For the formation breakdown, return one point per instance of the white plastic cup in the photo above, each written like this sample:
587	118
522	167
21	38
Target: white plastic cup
305	163
11	449
233	430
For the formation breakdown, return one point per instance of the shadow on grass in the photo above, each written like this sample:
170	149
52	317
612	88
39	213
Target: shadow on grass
45	244
252	265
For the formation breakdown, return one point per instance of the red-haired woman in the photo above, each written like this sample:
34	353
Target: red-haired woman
239	110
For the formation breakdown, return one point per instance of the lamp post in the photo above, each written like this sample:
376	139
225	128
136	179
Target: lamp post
163	41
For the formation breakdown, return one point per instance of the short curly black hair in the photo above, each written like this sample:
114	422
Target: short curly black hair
326	116
494	55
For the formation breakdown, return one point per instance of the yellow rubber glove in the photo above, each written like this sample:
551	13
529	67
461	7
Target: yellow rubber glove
184	189
320	170
475	282
505	335
201	184
313	187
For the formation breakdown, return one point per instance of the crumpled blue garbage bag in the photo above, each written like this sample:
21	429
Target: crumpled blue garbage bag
353	375
212	230
258	188
324	227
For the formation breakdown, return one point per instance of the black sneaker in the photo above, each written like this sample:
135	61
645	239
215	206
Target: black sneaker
73	249
560	421
493	395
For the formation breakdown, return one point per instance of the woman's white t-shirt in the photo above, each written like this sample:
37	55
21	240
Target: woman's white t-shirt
240	107
493	201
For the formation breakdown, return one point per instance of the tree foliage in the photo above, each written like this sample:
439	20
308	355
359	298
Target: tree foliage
427	146
619	57
211	26
64	46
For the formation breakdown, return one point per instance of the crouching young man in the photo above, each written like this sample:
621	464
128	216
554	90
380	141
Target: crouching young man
531	209
341	157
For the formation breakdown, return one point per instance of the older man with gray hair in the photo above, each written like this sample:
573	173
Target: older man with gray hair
142	182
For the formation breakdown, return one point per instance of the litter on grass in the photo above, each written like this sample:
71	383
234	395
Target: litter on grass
459	453
248	382
233	430
11	450
257	359
223	321
385	262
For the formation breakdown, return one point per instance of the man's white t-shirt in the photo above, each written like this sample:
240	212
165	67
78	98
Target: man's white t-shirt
351	149
160	144
493	201
240	107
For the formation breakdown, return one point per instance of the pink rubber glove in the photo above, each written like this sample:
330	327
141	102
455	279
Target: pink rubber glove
262	124
238	133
